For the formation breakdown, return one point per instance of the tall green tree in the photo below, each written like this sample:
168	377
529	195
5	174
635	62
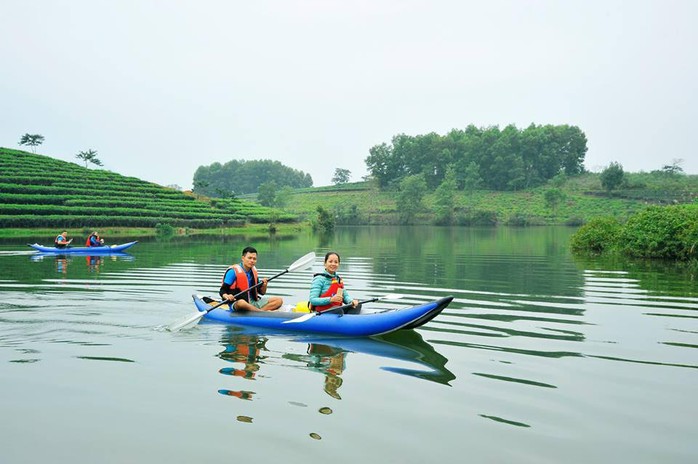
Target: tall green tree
444	200
341	176
410	198
89	156
266	195
612	177
31	140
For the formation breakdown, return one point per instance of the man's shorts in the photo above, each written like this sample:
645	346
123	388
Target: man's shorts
259	304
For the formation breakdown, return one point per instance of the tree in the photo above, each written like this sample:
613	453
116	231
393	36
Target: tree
31	140
674	168
553	198
341	176
89	156
325	221
444	196
612	176
266	195
410	197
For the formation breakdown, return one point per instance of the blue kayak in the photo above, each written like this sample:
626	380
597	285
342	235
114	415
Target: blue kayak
83	249
360	324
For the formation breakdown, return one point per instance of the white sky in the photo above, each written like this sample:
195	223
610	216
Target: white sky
160	87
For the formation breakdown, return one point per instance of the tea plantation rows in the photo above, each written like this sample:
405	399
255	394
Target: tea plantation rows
39	191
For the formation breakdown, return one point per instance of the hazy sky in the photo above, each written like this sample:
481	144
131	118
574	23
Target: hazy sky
159	88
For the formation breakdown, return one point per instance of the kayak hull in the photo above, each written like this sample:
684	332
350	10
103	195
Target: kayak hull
84	250
354	325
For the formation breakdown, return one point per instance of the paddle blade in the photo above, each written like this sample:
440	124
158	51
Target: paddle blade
302	262
303	318
178	325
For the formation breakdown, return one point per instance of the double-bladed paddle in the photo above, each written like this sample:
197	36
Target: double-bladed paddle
340	309
300	263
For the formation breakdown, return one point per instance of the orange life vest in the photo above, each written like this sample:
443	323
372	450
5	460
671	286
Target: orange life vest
335	285
241	283
87	242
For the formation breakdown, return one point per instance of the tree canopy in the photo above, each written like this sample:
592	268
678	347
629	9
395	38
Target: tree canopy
242	176
506	159
32	140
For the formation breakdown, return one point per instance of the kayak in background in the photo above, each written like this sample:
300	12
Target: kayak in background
83	249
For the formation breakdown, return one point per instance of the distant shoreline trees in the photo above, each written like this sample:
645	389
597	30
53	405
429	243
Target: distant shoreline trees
506	159
242	177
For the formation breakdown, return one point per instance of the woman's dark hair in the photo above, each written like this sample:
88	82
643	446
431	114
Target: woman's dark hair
330	253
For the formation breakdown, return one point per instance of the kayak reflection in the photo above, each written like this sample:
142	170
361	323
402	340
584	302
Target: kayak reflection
94	262
328	356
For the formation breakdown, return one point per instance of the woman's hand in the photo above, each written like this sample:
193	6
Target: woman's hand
354	303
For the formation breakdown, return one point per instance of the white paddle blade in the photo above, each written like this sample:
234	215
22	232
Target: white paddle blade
303	318
175	326
302	262
391	296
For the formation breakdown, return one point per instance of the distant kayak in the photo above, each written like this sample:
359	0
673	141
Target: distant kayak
83	249
363	323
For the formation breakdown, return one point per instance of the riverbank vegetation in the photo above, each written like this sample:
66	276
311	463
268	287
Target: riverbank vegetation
669	232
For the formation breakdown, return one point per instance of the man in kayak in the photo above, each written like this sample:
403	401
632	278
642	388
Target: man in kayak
62	240
243	278
93	240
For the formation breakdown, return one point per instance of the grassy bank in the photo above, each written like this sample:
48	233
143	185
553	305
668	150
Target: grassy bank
580	199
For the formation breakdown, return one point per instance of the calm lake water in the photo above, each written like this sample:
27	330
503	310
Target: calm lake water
540	358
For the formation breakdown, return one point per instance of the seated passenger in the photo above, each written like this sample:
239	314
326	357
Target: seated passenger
94	241
62	240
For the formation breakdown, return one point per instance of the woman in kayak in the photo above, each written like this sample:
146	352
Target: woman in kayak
62	240
94	240
327	290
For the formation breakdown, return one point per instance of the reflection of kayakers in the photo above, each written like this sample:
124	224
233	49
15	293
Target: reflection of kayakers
331	362
94	240
62	240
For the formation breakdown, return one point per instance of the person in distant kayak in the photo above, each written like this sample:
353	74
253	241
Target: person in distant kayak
62	240
327	290
94	240
241	278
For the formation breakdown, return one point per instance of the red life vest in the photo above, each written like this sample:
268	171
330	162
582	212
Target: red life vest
241	283
87	242
332	291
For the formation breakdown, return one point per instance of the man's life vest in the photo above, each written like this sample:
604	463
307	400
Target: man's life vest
335	285
241	283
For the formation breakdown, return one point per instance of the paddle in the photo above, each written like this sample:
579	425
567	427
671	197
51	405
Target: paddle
300	263
305	317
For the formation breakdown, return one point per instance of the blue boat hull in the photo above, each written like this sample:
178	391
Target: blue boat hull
100	250
353	325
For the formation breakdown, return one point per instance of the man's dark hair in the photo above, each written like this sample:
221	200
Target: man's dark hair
249	249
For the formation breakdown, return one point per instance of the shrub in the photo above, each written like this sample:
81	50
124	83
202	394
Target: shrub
661	232
597	236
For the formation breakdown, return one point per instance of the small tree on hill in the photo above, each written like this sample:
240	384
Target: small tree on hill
612	177
89	156
31	140
341	176
410	197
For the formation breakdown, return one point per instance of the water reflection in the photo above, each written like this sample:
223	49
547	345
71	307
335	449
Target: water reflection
93	262
328	356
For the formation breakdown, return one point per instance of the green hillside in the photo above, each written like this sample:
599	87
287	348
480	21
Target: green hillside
581	198
39	191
